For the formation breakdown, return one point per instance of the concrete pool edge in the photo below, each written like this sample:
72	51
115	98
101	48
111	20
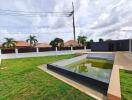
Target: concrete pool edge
82	88
80	78
122	61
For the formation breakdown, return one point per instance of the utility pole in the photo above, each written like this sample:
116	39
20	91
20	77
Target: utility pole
74	31
130	45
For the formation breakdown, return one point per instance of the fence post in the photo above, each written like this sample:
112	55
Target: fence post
56	49
16	50
85	48
71	48
37	50
0	52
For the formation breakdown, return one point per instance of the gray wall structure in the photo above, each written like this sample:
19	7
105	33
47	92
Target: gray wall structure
112	45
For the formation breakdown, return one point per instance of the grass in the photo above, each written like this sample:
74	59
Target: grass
126	84
100	63
20	79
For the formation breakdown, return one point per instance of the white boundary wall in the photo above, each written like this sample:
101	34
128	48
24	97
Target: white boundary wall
35	54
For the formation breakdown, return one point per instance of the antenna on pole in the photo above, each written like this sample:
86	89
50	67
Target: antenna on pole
74	31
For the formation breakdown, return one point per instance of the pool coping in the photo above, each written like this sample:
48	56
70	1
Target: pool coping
122	61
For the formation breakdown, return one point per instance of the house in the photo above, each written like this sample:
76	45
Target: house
43	45
22	44
113	45
71	43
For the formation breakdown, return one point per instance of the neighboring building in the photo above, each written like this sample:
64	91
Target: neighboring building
113	45
71	43
22	44
43	45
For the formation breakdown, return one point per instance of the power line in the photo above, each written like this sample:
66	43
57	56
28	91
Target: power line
42	32
48	27
32	14
25	26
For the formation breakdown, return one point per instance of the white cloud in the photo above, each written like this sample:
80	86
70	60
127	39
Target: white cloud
95	18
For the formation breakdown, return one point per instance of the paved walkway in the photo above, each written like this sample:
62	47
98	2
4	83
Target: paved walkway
124	60
89	54
69	61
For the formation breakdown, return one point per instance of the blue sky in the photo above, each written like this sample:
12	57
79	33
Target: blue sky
107	19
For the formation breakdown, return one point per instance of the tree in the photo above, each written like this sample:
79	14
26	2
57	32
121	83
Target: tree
57	42
91	41
101	40
88	45
10	42
82	40
53	43
32	40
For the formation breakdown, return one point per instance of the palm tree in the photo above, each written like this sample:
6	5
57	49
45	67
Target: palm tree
32	40
82	40
10	42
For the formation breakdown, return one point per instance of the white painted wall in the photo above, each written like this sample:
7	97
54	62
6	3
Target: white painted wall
34	54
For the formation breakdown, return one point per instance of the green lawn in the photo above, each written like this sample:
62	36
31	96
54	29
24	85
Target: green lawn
20	79
100	63
126	84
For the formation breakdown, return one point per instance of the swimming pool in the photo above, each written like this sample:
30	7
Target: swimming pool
93	71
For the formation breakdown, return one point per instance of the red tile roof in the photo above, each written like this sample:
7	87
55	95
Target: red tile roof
22	44
43	45
71	43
